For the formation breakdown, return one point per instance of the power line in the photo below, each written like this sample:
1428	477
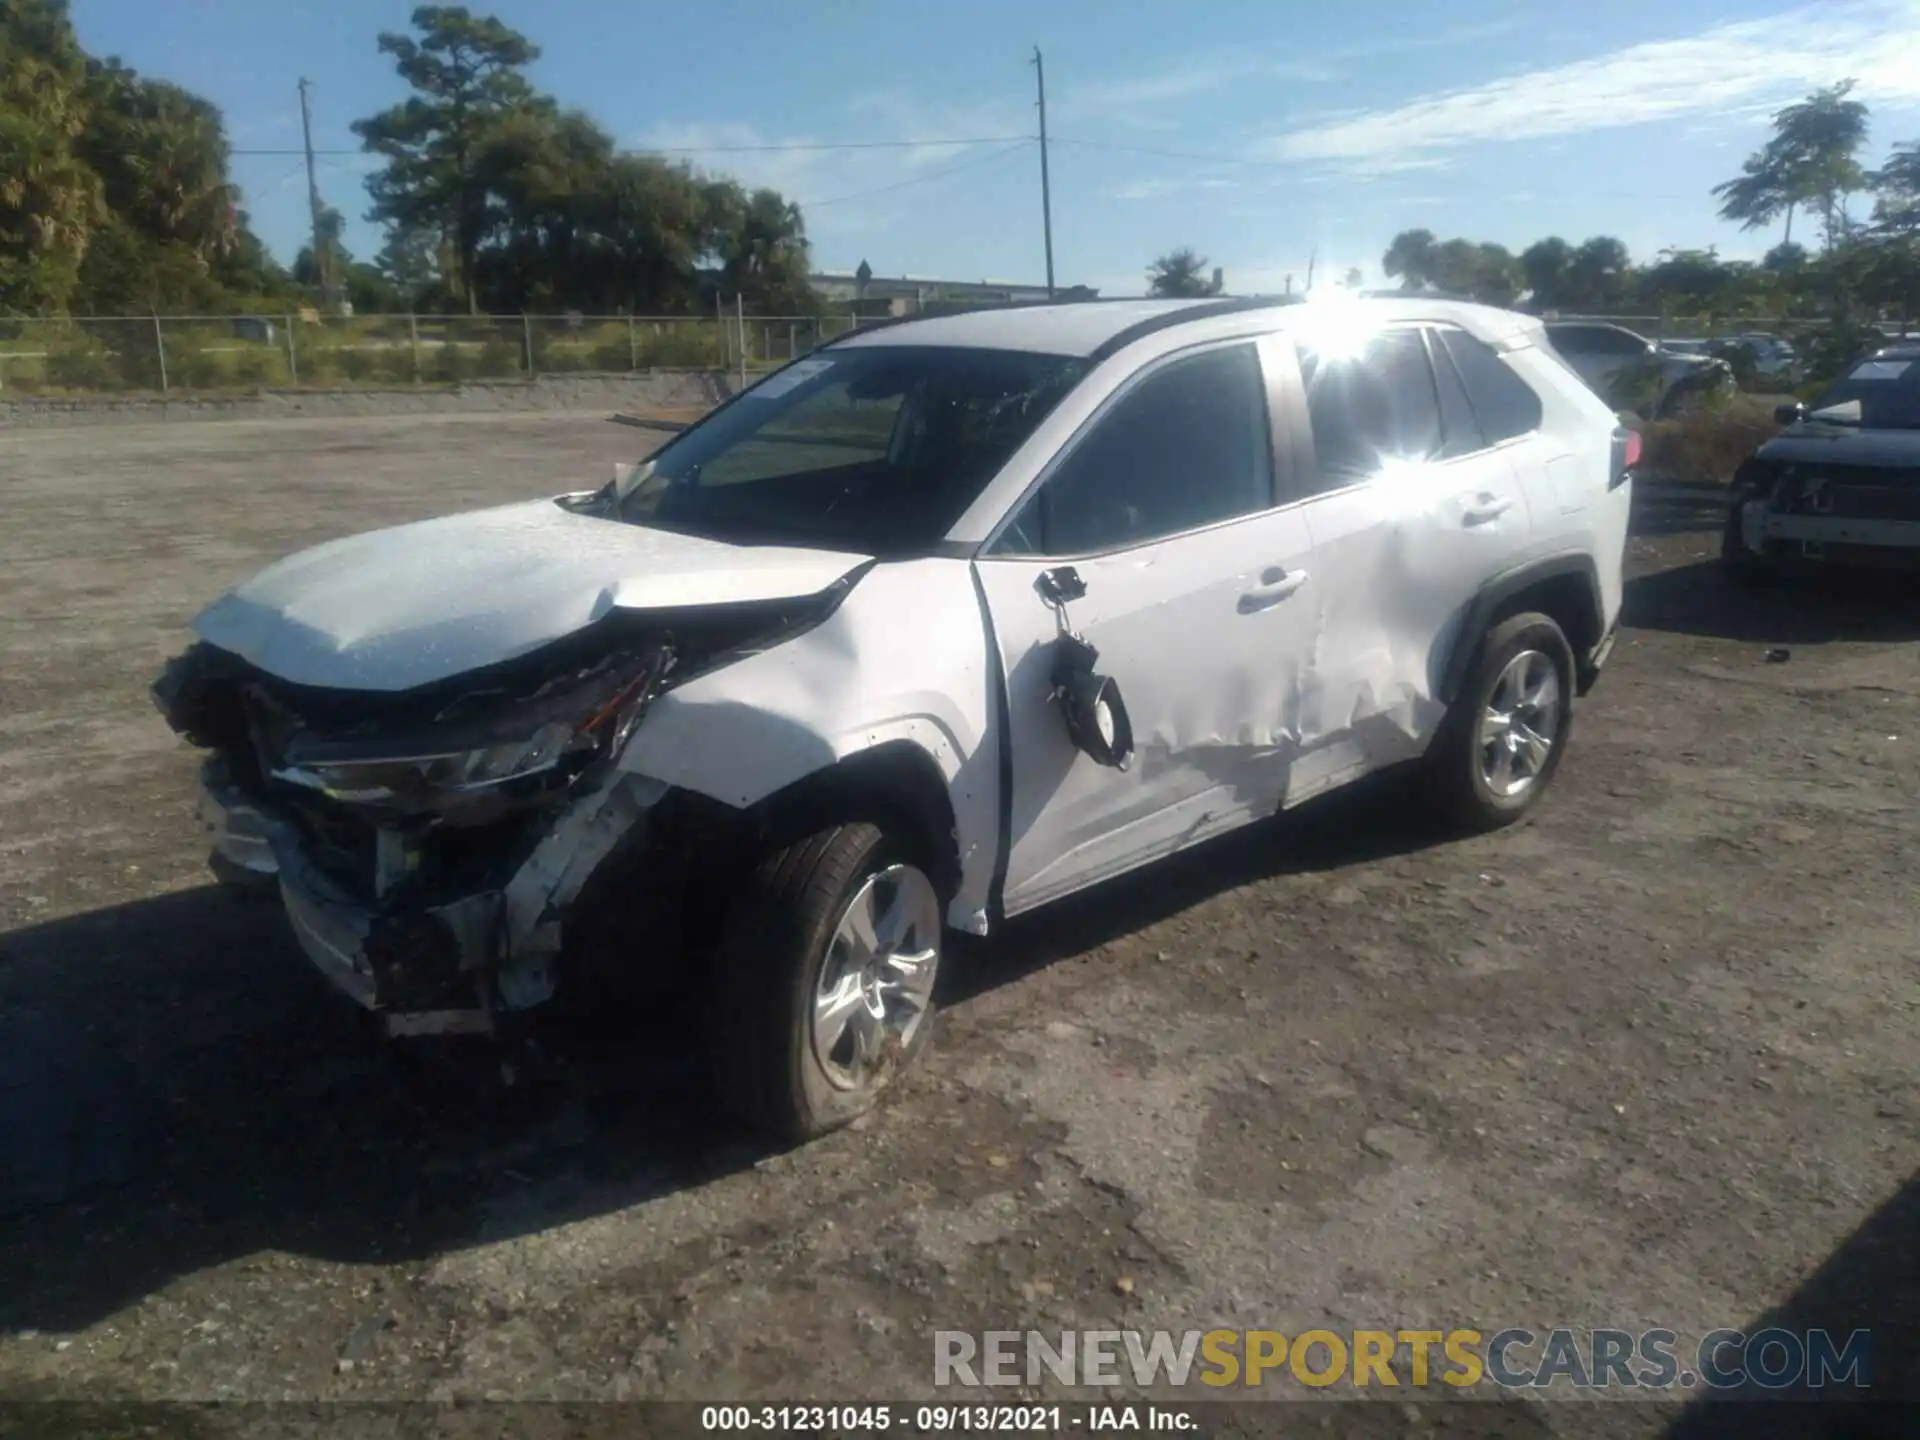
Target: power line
967	164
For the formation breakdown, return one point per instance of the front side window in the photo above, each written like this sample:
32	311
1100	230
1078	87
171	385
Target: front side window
872	448
1371	407
1186	446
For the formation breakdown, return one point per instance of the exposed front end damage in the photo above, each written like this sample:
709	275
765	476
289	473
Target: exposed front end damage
430	845
1855	516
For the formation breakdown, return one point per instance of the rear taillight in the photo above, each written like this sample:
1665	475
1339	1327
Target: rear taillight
1626	455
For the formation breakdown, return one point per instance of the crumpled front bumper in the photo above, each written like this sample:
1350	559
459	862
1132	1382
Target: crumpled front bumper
1823	537
432	968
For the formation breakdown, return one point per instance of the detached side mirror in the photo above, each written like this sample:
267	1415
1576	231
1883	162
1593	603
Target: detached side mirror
1090	703
1789	414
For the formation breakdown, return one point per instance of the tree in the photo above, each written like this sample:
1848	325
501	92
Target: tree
1410	259
761	243
1811	160
50	200
1545	264
1180	274
309	271
1599	274
466	72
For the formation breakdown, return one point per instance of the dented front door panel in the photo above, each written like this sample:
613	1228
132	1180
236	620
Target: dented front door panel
1206	636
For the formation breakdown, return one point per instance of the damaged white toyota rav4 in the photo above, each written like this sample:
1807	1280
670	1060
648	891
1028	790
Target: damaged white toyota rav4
949	619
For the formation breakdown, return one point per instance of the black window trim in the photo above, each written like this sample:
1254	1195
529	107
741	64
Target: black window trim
1438	355
1434	344
1279	454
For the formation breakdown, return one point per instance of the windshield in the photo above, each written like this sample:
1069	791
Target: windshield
877	449
1888	389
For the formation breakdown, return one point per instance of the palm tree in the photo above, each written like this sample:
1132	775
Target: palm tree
1811	159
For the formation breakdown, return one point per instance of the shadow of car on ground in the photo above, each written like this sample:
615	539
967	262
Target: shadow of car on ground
1700	599
177	1089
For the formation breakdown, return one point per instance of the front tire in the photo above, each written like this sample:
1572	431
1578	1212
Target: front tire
823	983
1501	743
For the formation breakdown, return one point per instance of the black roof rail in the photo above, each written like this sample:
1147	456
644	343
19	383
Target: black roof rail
1153	324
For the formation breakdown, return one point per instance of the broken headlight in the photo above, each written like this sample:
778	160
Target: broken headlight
549	737
376	781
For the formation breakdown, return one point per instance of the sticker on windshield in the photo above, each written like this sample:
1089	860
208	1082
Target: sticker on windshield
1881	370
791	378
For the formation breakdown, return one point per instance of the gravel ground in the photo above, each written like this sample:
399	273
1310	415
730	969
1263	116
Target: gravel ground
1645	1060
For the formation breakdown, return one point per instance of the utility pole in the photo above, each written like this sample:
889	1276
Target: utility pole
1046	193
320	256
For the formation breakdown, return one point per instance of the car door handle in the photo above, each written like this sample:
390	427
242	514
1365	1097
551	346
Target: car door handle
1275	585
1485	508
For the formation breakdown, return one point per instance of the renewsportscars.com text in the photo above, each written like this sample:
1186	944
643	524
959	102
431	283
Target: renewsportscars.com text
1766	1361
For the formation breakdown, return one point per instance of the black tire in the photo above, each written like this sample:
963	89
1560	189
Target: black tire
1453	763
767	969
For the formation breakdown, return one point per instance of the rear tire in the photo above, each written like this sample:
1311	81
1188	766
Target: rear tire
822	983
1501	743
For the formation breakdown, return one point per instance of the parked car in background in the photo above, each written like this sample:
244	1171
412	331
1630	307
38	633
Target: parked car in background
1841	485
1630	372
252	327
1775	361
945	621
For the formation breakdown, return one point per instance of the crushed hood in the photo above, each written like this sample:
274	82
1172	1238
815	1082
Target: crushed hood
398	608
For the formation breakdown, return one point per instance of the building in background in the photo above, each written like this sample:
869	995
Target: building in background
866	293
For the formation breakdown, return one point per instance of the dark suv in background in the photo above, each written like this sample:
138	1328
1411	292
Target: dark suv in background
1841	484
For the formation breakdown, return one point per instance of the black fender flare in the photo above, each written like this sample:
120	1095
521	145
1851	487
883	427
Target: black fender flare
1498	593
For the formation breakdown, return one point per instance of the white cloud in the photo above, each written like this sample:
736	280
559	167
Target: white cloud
1159	189
713	146
1133	100
1754	65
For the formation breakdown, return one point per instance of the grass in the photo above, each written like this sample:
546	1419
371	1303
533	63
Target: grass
1709	443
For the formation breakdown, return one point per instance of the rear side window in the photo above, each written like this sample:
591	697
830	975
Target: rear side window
1370	409
1504	402
1187	446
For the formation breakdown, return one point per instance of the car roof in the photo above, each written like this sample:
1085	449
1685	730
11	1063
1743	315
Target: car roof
1899	350
1094	328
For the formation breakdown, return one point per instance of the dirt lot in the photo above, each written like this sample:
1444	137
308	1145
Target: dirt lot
1647	1060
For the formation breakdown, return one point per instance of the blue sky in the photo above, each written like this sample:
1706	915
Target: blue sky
1260	132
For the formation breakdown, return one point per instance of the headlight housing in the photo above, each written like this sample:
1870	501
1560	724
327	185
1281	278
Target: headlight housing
452	766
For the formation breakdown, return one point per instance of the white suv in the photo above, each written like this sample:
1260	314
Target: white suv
949	619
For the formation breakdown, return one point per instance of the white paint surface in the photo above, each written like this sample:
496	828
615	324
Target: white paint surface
409	605
902	660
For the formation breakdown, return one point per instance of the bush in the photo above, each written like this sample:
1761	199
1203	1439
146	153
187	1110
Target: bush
497	360
446	362
1707	444
201	369
82	365
681	347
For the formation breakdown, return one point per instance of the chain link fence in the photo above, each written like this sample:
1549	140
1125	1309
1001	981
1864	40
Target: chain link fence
199	353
